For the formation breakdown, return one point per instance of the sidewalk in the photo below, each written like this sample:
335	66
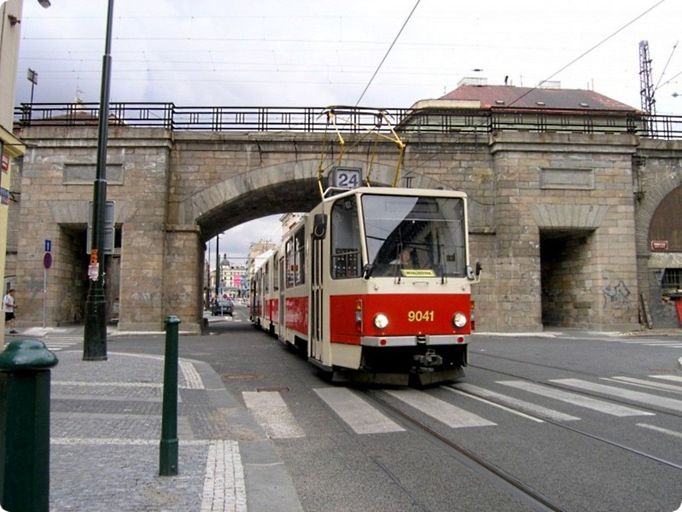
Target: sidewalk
105	435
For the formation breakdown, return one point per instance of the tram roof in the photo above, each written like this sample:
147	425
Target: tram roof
398	191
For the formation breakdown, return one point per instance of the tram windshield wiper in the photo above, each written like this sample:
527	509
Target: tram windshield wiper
367	270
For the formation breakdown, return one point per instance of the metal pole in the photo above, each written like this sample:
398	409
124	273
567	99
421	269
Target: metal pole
95	334
44	298
217	266
168	449
25	426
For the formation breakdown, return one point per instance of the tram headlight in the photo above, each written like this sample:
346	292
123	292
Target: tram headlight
459	320
380	321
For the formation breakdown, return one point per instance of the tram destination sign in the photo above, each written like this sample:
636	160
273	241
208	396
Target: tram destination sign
345	177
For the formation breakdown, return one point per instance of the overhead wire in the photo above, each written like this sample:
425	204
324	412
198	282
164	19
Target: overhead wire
589	50
665	68
376	71
563	68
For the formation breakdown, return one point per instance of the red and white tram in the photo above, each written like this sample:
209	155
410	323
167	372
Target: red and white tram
374	284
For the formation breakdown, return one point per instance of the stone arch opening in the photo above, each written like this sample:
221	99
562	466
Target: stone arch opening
567	243
665	260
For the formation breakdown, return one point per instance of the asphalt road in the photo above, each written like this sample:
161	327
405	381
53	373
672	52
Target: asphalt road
572	422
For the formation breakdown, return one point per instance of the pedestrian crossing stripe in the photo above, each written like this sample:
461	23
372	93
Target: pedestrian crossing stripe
359	415
674	378
576	399
494	404
531	408
634	396
445	412
272	414
362	417
649	384
57	344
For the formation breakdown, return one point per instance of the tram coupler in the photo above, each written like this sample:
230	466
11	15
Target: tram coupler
429	359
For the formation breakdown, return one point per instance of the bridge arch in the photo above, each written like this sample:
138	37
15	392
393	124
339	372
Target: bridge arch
286	187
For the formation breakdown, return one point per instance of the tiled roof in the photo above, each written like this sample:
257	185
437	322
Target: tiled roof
507	96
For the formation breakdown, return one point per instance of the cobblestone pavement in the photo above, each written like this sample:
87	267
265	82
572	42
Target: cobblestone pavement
106	431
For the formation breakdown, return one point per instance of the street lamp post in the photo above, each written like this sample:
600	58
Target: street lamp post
95	335
33	78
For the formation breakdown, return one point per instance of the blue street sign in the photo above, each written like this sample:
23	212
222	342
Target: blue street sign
48	245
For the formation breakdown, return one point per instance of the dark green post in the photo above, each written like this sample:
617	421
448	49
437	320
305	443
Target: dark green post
168	452
25	426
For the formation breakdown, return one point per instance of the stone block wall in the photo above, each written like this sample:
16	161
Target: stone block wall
551	215
658	172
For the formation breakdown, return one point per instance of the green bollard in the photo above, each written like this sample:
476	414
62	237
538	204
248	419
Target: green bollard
25	426
168	451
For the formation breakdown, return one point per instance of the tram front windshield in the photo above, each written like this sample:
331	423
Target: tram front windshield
415	236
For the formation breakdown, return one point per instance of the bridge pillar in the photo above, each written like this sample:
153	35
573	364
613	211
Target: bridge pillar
185	262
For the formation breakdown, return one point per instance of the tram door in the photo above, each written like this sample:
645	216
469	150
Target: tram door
316	299
280	299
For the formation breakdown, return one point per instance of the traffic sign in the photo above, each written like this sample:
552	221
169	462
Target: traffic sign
47	260
48	245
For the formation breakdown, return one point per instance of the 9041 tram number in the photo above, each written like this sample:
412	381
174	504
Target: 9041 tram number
420	316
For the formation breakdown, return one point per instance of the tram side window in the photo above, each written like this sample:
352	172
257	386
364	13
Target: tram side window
345	243
295	259
299	239
275	275
290	263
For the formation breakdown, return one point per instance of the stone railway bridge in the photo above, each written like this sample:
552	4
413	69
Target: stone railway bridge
561	219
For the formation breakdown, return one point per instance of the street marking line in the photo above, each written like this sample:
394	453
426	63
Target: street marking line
224	486
674	378
356	412
531	408
108	441
107	384
576	399
647	384
440	410
271	413
660	429
635	396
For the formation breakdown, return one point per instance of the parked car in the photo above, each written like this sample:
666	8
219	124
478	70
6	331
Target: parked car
222	307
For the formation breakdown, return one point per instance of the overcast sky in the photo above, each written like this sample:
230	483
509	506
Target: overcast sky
318	53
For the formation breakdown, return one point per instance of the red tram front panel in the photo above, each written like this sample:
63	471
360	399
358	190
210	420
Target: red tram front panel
352	316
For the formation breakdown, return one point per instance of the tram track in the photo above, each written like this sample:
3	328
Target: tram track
478	465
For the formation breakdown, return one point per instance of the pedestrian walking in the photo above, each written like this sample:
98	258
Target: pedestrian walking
9	306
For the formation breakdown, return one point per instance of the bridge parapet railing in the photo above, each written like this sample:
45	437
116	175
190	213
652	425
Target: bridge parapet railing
87	114
347	119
